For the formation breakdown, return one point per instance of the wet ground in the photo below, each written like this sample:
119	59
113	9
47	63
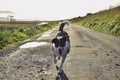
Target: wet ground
93	56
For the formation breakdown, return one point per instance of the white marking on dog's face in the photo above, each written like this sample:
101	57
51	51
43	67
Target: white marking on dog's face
57	49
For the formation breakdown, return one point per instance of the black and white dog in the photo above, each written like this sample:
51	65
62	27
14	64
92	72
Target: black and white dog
61	45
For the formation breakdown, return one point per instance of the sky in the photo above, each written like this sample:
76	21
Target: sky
53	9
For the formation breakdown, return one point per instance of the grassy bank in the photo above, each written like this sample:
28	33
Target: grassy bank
15	33
107	21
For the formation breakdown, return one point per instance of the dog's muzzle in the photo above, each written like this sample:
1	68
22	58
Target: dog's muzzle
61	50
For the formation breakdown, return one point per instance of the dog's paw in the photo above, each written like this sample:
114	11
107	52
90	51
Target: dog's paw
59	71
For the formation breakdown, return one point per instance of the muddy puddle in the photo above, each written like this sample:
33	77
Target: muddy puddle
33	44
46	34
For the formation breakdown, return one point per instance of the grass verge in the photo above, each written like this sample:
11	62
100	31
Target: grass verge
16	35
107	21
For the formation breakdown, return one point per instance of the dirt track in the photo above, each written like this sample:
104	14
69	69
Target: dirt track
93	56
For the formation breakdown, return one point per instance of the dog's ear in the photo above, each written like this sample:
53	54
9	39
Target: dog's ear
56	42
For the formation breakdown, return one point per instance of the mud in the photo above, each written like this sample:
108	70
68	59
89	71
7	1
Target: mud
93	56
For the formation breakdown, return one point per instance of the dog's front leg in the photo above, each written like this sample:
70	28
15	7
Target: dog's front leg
62	62
55	61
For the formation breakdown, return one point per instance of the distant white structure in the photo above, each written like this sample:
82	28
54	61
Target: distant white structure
42	23
3	19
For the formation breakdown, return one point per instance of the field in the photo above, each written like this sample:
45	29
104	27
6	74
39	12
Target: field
17	31
107	21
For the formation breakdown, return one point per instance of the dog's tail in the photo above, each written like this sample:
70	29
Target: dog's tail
62	25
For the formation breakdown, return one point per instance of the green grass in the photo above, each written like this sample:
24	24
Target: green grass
19	32
107	21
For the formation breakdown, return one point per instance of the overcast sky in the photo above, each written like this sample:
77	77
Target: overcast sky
54	9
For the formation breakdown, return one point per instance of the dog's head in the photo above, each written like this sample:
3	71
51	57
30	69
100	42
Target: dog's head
59	42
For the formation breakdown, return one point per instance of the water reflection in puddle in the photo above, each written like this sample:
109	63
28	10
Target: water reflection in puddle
33	44
46	34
